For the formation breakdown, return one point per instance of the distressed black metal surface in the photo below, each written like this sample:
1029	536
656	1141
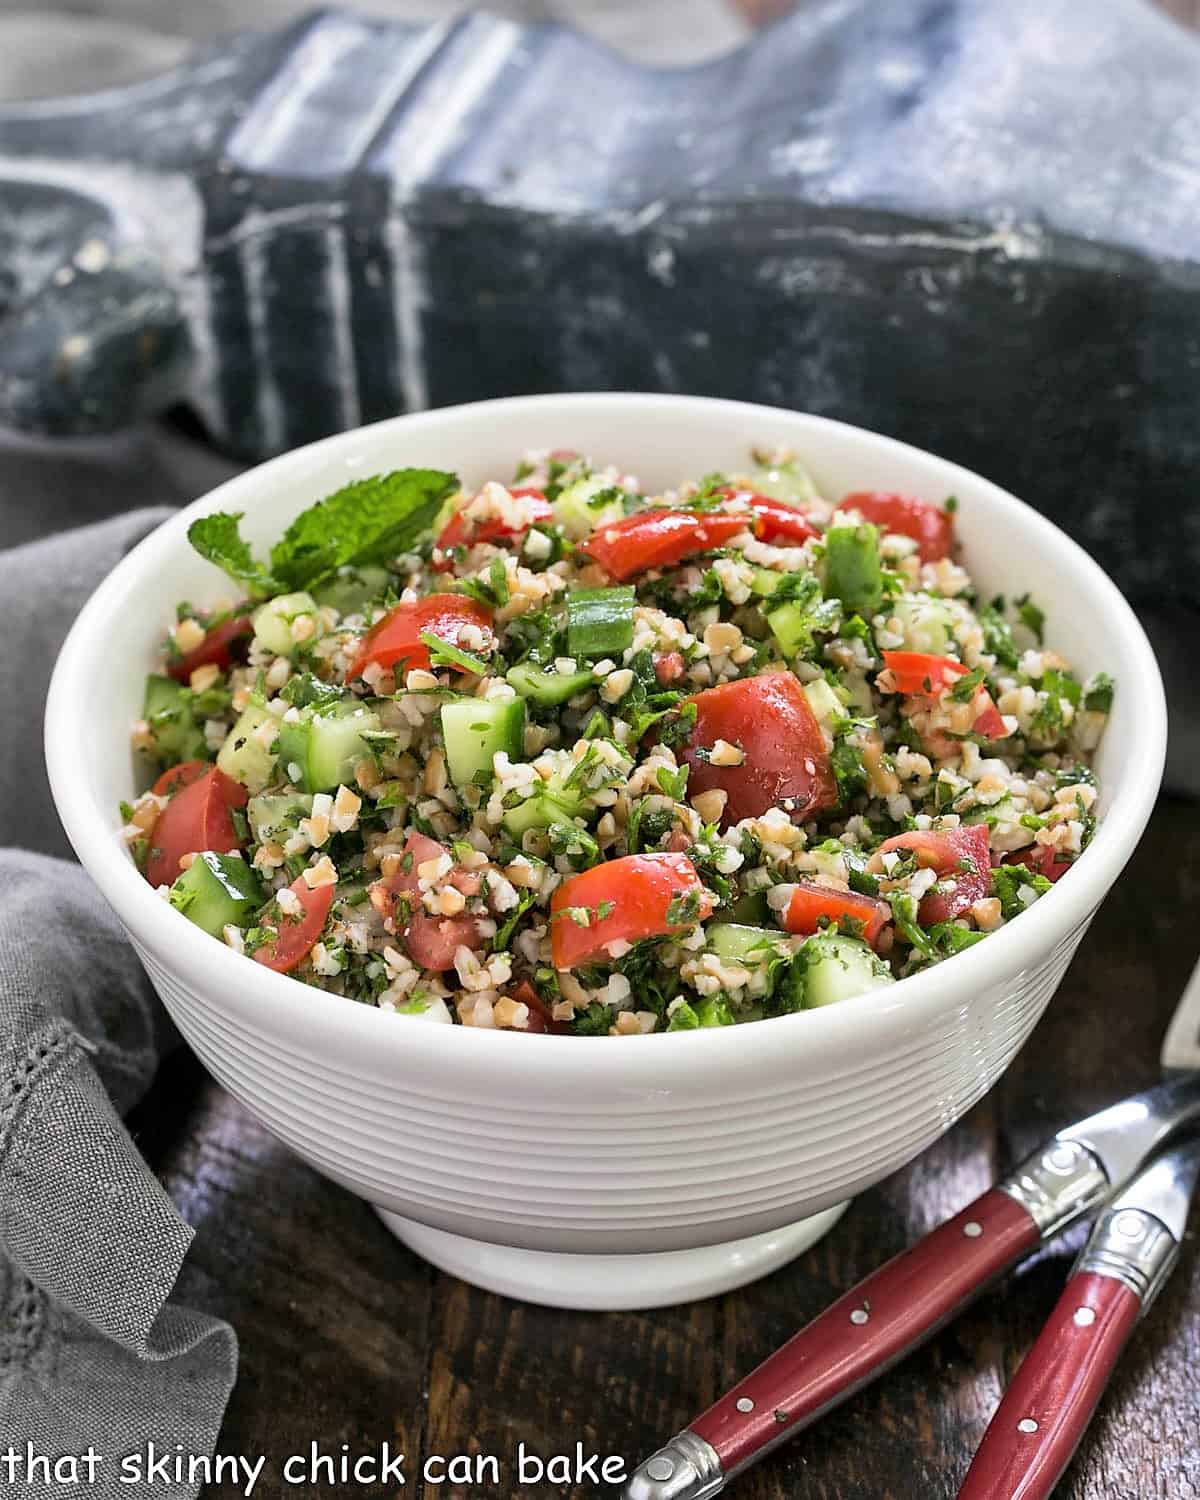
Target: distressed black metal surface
965	222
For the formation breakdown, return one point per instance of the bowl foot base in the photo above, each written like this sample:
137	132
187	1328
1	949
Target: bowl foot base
611	1283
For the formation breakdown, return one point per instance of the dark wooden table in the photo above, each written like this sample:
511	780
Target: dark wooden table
347	1338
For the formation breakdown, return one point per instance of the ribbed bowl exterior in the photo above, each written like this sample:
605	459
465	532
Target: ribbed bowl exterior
660	1174
593	1144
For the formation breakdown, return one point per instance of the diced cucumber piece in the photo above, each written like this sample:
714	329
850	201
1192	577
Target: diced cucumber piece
474	729
579	509
167	710
350	590
853	572
599	622
217	889
792	628
325	747
273	621
749	910
742	944
714	1010
545	807
1003	811
788	482
547	688
824	702
927	623
245	756
765	581
272	818
838	967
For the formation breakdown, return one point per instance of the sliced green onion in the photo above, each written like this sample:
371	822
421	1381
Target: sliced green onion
599	622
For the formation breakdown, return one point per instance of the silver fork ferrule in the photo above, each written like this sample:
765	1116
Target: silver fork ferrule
1058	1183
686	1469
1135	1248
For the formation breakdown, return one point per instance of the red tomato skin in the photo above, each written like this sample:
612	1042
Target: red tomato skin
1041	860
196	820
929	526
917	674
216	648
177	777
396	638
942	853
642	888
541	1022
459	532
296	938
658	539
810	902
774	520
431	942
770	717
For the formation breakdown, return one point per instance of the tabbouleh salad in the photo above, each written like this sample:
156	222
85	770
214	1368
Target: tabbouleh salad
560	755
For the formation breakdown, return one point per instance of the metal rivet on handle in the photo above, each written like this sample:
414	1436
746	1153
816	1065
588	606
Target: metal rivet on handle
1027	1424
1061	1159
744	1403
660	1468
972	1230
1130	1226
1085	1316
860	1315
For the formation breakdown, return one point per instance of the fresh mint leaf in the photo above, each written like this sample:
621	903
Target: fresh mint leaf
368	521
218	539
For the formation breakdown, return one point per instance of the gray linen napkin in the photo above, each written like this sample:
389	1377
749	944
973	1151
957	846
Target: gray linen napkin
91	1351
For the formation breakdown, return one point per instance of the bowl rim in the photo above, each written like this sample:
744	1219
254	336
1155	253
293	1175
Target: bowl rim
251	989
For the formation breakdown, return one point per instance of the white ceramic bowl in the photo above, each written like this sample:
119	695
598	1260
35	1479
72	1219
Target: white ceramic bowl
635	1148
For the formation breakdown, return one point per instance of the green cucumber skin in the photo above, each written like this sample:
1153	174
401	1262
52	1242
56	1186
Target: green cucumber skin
838	968
474	730
219	889
325	747
548	689
853	571
599	622
177	736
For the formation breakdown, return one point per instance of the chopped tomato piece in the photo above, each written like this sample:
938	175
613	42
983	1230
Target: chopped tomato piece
668	667
784	757
657	539
296	935
774	520
431	942
916	674
810	903
178	777
397	637
459	531
540	1018
929	526
623	901
216	648
1041	860
960	854
196	820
